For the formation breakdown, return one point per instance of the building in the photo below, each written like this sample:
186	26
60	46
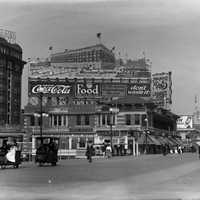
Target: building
80	110
98	54
11	67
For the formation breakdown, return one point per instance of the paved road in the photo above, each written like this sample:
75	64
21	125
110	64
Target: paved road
144	177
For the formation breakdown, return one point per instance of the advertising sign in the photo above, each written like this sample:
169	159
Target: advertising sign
49	89
185	122
89	90
113	90
162	88
139	87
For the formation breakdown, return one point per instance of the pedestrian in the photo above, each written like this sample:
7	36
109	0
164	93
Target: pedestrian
108	151
89	152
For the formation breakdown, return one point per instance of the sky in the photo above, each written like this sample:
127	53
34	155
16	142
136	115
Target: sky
167	31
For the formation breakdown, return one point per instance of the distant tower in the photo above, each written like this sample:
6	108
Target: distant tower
196	110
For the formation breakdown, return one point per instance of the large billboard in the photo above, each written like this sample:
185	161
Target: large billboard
140	87
88	90
113	90
49	88
185	122
162	88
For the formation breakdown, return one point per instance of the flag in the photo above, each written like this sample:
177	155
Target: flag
50	48
99	35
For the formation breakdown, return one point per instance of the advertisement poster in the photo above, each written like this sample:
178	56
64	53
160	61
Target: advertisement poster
113	90
50	88
185	122
88	90
162	88
140	88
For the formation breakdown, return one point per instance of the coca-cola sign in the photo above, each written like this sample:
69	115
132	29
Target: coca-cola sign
51	89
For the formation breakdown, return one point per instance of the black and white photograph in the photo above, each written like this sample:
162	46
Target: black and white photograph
99	99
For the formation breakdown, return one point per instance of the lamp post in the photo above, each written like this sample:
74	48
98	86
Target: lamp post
111	124
41	91
146	132
112	112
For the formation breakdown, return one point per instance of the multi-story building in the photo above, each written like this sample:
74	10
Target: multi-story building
11	67
79	111
99	54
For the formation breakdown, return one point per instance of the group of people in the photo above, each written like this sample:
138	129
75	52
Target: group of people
8	151
90	151
166	149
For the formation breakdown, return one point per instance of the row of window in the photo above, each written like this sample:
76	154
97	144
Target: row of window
7	51
85	120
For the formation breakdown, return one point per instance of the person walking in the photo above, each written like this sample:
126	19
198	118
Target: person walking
89	152
108	151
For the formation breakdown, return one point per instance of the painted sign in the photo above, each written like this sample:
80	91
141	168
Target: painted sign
185	122
139	89
49	89
162	88
113	90
88	90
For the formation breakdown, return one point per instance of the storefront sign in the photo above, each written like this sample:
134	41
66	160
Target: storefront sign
87	90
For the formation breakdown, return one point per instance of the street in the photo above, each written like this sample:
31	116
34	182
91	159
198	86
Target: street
144	177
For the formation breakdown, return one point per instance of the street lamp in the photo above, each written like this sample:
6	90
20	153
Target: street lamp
112	111
146	132
41	91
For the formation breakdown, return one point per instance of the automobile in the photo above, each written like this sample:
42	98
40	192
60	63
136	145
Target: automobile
46	150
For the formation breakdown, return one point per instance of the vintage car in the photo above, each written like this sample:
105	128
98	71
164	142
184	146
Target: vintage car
46	150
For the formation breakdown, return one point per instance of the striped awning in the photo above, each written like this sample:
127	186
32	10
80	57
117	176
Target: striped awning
156	142
149	139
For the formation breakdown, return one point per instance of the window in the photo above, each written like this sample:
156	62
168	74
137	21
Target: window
144	123
74	142
137	119
109	119
128	119
64	143
65	120
32	120
103	120
82	142
78	120
59	120
55	120
87	120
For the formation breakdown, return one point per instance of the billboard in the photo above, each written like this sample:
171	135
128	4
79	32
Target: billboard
113	90
50	88
162	88
140	87
185	122
88	90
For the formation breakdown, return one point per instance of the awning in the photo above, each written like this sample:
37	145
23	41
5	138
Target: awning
155	141
149	139
173	141
170	142
162	140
